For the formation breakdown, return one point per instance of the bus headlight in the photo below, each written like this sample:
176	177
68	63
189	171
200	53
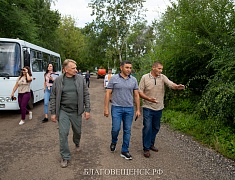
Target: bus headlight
2	99
8	99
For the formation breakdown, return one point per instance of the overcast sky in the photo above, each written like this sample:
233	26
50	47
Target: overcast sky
79	10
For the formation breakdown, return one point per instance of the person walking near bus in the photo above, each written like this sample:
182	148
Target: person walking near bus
69	99
107	78
23	86
121	87
151	89
48	82
87	77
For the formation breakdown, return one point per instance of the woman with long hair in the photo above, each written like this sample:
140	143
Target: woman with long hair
48	82
23	86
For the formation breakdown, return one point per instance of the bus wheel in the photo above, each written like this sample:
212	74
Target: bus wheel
31	100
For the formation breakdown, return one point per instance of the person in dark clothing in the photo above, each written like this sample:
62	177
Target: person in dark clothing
87	77
79	72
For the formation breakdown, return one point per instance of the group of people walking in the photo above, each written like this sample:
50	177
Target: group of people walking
122	88
24	93
70	98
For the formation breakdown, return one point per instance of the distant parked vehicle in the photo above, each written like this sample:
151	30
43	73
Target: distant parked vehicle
83	74
92	73
101	73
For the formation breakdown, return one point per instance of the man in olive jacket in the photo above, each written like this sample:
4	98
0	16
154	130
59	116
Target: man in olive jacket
69	99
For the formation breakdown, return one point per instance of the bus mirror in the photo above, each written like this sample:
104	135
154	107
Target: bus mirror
26	58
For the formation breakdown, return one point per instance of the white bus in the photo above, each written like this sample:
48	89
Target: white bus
14	55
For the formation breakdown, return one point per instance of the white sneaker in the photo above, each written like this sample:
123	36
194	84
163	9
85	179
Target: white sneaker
30	115
21	122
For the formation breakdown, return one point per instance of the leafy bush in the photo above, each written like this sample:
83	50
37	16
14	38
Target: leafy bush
181	100
218	100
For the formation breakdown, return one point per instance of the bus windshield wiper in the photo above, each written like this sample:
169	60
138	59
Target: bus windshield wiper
3	74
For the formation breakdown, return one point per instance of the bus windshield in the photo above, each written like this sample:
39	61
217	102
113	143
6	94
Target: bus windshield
9	59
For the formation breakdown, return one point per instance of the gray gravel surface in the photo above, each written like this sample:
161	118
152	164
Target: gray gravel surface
31	151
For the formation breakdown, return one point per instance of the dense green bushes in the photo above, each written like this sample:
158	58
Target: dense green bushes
218	99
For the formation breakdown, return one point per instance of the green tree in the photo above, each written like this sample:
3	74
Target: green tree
113	20
30	20
72	41
139	43
16	21
96	46
47	21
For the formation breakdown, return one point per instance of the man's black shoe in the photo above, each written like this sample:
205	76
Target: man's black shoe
126	155
112	147
45	120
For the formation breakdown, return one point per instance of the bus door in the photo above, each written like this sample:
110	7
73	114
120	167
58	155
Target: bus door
37	84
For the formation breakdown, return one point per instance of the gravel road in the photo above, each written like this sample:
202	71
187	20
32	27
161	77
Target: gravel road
31	151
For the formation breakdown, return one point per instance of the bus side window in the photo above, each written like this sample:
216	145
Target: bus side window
53	61
36	65
58	64
46	60
36	62
26	58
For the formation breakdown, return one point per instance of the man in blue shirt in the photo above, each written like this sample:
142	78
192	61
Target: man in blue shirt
121	87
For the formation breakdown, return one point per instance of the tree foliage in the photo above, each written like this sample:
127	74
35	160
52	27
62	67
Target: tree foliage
218	100
47	22
30	20
15	19
113	21
139	42
96	46
71	40
195	41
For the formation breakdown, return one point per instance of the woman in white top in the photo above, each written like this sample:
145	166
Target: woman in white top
107	78
23	86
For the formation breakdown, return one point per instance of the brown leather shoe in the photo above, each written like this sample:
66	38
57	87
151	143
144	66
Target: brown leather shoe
153	148
146	153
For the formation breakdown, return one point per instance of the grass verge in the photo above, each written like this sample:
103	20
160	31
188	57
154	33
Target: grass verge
208	132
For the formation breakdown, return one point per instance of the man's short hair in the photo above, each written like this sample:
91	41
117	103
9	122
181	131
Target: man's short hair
156	63
67	61
125	62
